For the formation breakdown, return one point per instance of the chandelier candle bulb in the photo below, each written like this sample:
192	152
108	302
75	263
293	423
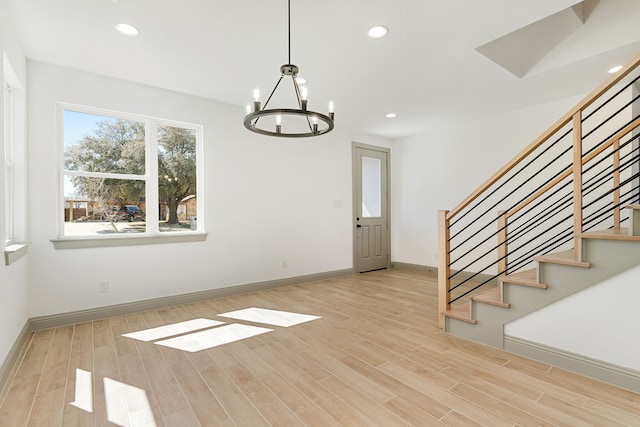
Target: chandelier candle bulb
278	124
256	100
304	92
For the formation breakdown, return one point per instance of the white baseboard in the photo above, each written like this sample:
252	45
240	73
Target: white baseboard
13	356
607	372
414	267
63	319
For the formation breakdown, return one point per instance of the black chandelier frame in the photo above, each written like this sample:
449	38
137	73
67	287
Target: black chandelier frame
312	117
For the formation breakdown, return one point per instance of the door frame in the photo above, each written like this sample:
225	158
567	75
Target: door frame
355	201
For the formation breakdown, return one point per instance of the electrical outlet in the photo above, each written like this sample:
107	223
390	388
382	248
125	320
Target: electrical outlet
103	286
284	264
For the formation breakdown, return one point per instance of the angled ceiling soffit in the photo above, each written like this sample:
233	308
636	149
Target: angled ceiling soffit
519	51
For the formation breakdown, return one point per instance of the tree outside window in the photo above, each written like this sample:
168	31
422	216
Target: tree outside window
176	168
132	174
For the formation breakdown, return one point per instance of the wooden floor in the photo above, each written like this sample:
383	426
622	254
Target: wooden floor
374	357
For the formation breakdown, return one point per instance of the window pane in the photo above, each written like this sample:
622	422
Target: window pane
99	206
8	161
371	200
9	201
177	179
94	143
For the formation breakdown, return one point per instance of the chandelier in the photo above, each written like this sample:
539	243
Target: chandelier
297	122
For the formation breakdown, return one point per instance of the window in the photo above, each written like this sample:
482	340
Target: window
371	188
126	175
14	161
9	168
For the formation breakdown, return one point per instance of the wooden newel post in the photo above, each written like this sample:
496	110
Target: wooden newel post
502	243
577	183
444	271
616	183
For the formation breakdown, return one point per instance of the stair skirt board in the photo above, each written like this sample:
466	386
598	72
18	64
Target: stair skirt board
606	257
607	372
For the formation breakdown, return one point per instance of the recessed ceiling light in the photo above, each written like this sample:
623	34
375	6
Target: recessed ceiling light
377	32
301	81
391	116
127	29
615	69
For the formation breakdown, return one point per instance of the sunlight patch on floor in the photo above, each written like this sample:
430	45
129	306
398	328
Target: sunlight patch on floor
270	317
127	405
213	337
84	391
180	328
201	334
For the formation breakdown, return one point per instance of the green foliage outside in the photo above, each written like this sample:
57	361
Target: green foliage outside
119	147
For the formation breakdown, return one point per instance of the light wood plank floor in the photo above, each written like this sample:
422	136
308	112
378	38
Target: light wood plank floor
375	357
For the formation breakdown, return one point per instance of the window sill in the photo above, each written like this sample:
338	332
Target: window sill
14	252
106	242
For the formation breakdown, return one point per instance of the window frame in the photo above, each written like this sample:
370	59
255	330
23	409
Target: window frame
152	234
14	164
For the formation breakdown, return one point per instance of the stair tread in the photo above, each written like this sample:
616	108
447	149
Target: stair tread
460	312
491	296
610	234
563	257
524	278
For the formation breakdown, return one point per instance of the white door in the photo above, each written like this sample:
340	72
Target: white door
371	222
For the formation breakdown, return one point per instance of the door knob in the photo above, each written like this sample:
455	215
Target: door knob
358	226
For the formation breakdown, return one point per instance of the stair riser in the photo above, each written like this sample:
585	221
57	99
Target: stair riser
607	258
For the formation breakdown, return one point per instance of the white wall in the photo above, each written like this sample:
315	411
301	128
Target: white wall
600	322
267	200
436	171
13	278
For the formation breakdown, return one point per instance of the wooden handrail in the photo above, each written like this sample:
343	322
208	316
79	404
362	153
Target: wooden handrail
588	100
572	121
621	134
567	172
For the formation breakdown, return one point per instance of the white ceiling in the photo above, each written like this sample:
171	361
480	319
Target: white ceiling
427	70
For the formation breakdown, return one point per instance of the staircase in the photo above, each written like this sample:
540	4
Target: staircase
602	254
561	216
